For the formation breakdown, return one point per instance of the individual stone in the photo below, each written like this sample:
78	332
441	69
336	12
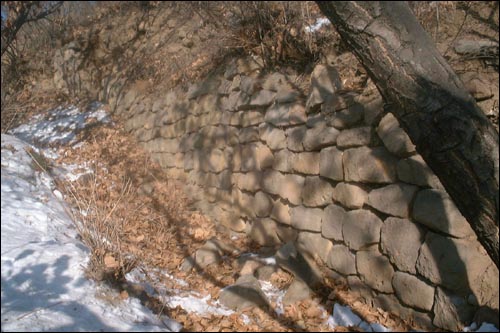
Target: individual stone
247	84
412	291
256	157
208	254
250	266
217	161
317	192
375	270
342	260
456	264
285	114
265	272
394	199
294	138
350	195
348	117
275	81
325	81
313	245
436	210
298	291
307	163
451	312
291	188
291	260
286	95
354	137
369	165
361	228
262	98
282	161
333	219
319	137
394	137
249	134
359	288
330	163
281	212
303	218
391	303
414	170
248	181
286	234
274	137
250	118
263	232
262	204
401	240
478	87
272	181
244	294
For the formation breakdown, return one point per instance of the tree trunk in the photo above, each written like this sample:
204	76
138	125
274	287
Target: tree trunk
444	122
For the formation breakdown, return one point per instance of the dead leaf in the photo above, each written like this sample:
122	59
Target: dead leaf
110	262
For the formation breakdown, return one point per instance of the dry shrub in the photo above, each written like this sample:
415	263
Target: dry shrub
98	220
273	30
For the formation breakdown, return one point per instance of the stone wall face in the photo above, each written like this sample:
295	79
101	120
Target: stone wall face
331	172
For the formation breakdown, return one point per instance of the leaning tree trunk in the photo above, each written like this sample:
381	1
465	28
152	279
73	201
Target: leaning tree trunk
444	122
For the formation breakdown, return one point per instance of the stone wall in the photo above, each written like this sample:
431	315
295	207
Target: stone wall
330	172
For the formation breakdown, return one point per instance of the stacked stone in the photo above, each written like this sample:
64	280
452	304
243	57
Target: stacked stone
333	173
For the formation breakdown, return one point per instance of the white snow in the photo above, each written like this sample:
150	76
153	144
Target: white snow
274	294
61	125
316	26
43	283
343	316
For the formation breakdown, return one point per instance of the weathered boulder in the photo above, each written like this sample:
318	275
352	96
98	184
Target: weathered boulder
348	117
314	246
333	219
394	199
414	170
262	204
355	137
401	240
274	137
394	137
319	137
369	165
307	163
295	137
316	192
350	195
330	163
282	160
325	81
303	218
412	291
263	232
342	260
298	291
456	264
436	210
375	270
361	228
281	212
245	293
285	114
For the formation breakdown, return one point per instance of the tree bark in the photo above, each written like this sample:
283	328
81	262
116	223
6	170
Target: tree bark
431	104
